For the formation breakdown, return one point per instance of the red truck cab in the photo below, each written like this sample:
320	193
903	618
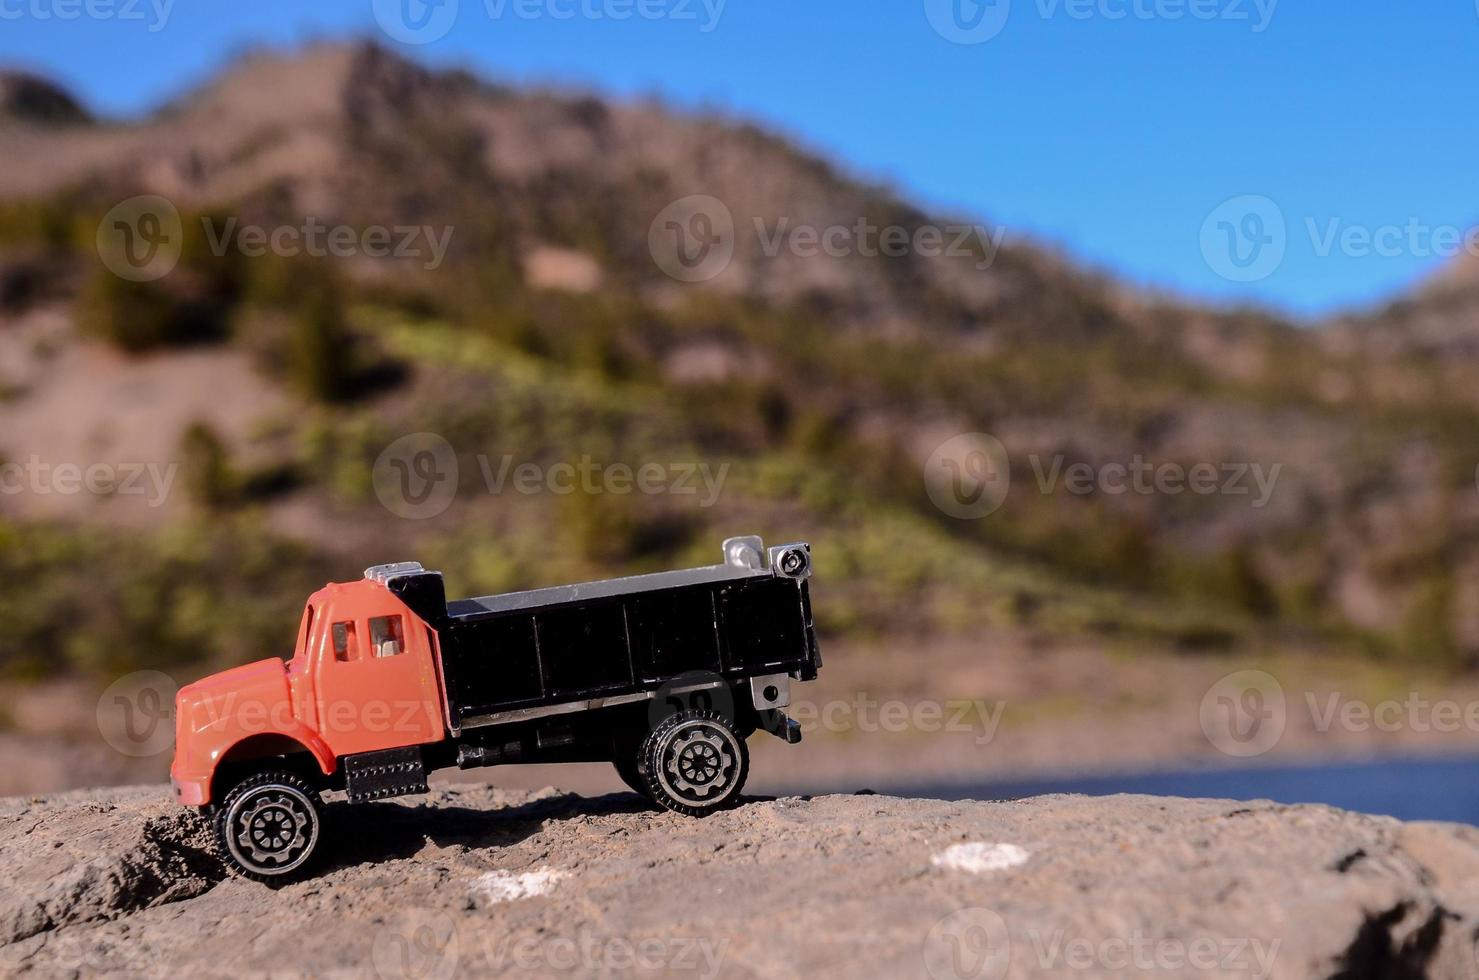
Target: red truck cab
363	678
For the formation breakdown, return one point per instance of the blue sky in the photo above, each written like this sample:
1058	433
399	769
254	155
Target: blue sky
1110	129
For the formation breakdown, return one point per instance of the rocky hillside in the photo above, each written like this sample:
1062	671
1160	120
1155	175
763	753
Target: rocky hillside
482	881
544	313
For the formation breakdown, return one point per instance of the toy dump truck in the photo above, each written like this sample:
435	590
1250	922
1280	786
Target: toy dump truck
664	675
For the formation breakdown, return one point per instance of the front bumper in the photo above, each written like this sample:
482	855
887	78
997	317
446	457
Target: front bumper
191	791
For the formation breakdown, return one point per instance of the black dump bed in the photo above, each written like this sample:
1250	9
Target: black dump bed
621	639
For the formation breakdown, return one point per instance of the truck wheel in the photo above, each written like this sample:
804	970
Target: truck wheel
695	763
269	826
626	768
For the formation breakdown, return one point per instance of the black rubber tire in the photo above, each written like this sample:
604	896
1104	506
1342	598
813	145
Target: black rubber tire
284	798
626	767
695	763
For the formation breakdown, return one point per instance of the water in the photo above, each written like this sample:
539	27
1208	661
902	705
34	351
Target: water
1407	788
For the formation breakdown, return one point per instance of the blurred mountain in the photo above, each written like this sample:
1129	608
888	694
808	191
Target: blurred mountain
1438	319
823	382
343	132
26	98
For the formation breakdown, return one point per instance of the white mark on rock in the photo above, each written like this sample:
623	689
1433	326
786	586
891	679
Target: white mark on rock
506	886
978	857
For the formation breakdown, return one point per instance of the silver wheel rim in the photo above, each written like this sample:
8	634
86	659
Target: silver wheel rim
699	763
271	830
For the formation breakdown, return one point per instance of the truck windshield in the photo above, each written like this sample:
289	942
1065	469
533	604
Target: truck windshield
304	631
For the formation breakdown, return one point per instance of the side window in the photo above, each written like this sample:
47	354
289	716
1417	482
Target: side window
387	636
346	644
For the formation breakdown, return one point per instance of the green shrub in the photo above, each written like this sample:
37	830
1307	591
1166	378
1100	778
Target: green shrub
209	478
142	316
1428	628
104	602
320	355
193	303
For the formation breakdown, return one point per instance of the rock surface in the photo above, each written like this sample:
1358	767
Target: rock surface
474	880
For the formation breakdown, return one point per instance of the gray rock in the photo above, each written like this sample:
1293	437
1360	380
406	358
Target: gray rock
476	880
